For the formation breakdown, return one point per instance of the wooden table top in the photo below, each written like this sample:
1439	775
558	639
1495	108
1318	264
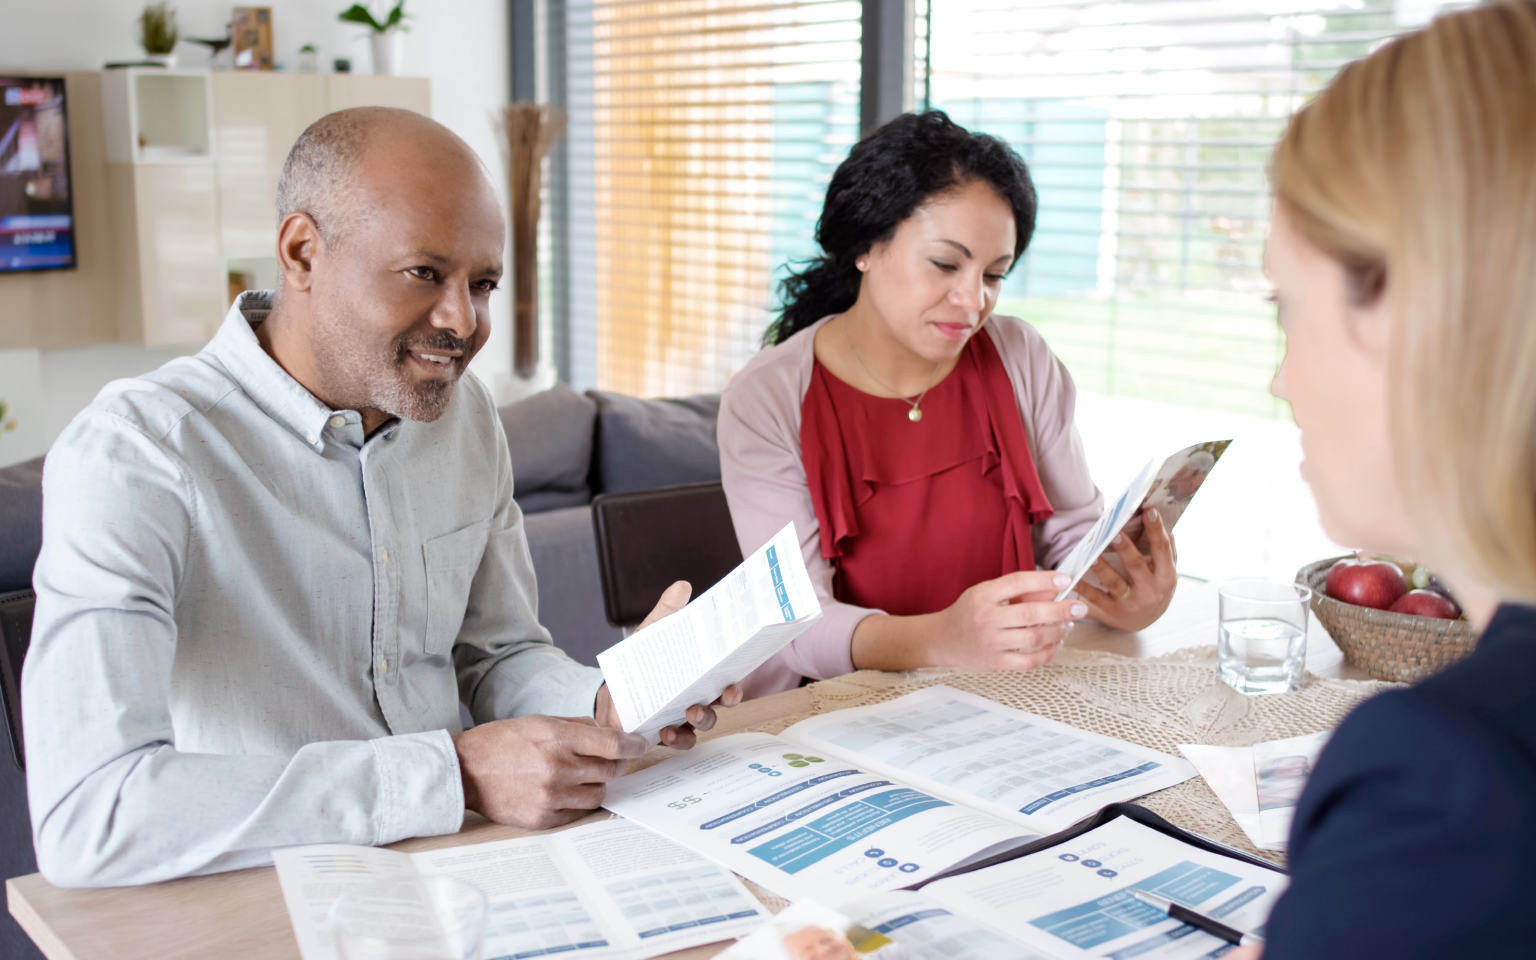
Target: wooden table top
241	915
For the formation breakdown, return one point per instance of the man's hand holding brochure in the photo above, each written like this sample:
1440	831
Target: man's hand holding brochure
719	638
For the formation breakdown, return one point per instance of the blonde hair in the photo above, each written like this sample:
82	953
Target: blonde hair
1416	169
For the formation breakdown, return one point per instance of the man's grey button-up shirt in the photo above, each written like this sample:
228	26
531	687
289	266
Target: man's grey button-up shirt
254	627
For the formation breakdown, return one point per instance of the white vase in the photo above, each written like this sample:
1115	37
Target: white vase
166	60
388	53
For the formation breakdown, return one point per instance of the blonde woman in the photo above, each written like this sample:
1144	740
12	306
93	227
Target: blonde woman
1403	255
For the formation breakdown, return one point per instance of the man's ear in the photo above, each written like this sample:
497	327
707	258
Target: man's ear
298	244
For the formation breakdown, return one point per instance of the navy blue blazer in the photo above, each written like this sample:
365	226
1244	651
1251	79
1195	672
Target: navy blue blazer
1416	834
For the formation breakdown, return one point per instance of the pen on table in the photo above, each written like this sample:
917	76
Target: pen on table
1197	920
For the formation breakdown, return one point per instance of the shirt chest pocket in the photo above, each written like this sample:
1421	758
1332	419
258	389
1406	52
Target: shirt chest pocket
451	562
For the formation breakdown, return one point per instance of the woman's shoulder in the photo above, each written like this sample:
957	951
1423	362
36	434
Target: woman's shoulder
764	397
1418	814
776	375
1016	337
1470	725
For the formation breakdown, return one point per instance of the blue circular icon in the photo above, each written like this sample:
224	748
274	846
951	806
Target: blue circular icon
754	766
873	852
908	868
774	773
1106	872
888	862
1069	857
1090	864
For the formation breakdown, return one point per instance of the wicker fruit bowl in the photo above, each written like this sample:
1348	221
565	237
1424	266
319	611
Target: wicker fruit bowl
1388	646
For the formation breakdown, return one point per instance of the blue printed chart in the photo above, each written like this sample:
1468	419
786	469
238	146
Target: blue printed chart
1097	922
663	903
841	828
968	749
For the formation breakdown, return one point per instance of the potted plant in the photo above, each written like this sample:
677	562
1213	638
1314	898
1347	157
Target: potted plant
158	33
387	38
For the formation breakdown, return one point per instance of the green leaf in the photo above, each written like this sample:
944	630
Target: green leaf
395	16
357	13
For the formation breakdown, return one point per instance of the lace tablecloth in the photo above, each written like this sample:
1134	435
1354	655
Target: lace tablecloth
1158	703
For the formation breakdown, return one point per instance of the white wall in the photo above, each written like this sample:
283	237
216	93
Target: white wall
462	45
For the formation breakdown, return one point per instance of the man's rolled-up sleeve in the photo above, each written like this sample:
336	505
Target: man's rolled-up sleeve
113	800
507	664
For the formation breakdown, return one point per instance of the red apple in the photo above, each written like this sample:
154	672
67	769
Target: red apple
1426	603
1366	583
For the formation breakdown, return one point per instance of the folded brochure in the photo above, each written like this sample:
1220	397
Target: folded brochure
689	657
1169	490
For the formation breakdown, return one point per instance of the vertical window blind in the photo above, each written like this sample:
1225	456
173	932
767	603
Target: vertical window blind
1147	125
702	136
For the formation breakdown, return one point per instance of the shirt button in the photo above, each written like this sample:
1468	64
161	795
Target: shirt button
384	666
338	421
384	558
311	438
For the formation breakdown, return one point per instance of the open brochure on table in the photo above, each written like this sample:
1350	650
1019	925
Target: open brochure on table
881	797
692	655
605	891
1068	901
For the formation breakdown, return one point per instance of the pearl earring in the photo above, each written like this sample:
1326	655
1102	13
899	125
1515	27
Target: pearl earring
860	265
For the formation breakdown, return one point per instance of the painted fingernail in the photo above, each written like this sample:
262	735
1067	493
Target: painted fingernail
1070	626
1062	580
1153	515
1079	610
1118	540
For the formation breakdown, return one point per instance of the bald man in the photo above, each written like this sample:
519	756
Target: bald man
272	571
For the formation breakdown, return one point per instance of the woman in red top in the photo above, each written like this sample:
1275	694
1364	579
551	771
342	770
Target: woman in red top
929	471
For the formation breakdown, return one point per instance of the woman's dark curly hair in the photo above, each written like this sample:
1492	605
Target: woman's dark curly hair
887	176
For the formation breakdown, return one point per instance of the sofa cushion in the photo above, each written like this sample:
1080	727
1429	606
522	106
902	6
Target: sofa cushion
643	444
21	523
564	553
550	436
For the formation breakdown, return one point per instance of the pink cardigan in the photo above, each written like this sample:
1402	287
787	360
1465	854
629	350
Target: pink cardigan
764	477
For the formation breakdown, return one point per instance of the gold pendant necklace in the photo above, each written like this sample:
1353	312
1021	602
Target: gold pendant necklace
916	413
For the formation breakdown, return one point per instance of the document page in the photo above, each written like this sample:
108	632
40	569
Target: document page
1035	772
1260	784
1281	769
900	925
312	877
605	891
1228	771
689	657
1072	900
802	824
929	932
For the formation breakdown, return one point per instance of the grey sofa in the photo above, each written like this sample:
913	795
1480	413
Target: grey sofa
566	448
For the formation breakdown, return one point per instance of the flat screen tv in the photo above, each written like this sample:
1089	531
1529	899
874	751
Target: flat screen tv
37	222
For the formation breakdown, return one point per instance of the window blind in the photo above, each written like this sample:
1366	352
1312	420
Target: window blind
1147	125
702	136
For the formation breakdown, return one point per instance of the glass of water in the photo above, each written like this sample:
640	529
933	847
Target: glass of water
410	918
1262	643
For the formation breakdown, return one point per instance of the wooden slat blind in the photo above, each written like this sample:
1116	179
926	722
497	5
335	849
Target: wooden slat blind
703	133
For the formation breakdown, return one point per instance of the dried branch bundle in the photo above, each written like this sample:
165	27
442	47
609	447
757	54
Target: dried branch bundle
531	131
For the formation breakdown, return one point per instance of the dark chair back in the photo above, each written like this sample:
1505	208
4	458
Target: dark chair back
649	539
15	633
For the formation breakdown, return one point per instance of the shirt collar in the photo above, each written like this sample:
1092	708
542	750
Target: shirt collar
283	398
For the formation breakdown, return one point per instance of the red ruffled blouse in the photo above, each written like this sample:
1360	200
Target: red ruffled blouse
913	514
